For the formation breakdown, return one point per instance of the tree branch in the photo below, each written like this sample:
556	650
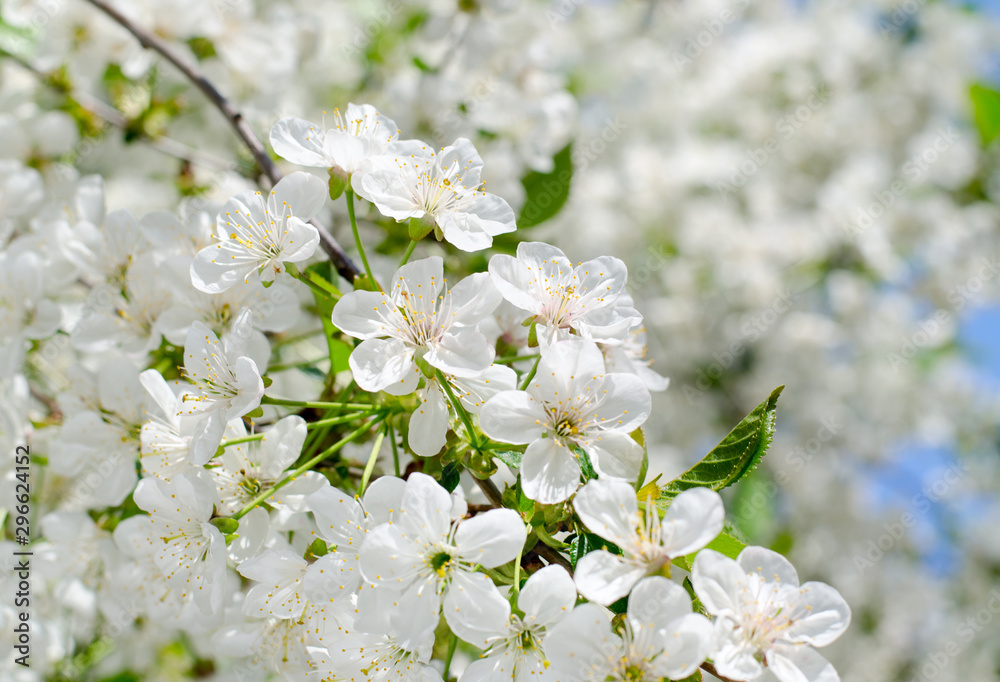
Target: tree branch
541	549
114	117
347	269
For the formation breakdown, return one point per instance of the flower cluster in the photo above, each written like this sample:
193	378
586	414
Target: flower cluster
515	528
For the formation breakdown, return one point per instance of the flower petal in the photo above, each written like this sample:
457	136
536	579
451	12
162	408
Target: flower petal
549	471
491	539
603	577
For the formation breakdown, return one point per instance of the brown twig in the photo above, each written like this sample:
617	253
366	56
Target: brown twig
541	549
709	668
347	269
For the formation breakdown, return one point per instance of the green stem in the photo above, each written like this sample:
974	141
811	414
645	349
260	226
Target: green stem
463	415
409	252
515	358
547	539
307	466
319	405
451	653
370	467
516	587
281	367
293	270
349	194
395	450
530	375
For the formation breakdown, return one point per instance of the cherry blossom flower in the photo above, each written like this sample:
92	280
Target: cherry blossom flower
765	619
429	560
587	298
429	424
190	551
570	403
421	320
518	652
245	470
375	657
610	509
661	638
361	134
441	188
257	233
226	383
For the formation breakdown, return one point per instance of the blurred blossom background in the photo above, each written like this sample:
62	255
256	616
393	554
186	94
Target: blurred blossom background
805	193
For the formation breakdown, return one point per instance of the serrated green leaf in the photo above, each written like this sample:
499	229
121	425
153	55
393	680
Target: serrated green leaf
735	456
986	111
545	193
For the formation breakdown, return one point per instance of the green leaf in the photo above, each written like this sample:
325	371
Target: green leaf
695	677
639	437
585	543
735	456
511	458
450	476
545	193
986	111
587	471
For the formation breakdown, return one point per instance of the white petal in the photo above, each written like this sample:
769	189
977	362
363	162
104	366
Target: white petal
474	609
299	194
694	519
820	615
687	642
603	577
719	582
367	314
298	141
428	431
609	509
416	613
549	471
281	445
426	508
768	564
492	538
800	664
548	596
339	517
461	352
378	364
582	646
513	417
656	601
615	454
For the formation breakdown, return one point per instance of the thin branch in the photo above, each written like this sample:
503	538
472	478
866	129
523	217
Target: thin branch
709	668
110	115
347	269
541	549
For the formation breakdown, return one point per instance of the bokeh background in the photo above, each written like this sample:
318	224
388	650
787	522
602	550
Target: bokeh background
806	193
